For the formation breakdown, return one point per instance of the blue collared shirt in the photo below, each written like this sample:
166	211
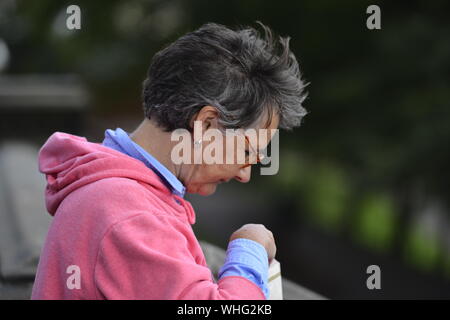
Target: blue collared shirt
248	259
245	258
120	140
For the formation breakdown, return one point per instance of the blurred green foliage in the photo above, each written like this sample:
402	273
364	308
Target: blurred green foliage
421	249
376	222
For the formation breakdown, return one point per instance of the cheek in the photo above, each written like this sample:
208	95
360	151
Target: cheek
214	173
226	171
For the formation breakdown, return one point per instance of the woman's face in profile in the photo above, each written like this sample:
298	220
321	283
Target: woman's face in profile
206	177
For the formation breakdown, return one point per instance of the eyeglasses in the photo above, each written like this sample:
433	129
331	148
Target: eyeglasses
259	156
248	162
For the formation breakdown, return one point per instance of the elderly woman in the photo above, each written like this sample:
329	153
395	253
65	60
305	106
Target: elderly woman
121	226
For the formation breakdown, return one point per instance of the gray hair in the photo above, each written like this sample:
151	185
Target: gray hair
240	73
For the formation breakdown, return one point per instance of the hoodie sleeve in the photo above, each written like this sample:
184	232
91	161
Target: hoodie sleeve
150	257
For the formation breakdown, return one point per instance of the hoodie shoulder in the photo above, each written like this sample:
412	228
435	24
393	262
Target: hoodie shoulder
116	198
71	163
113	197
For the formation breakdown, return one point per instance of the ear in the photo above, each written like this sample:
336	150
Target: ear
209	116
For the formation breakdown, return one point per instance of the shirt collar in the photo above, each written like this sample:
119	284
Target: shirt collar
120	140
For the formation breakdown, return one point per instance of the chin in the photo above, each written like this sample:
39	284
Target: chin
207	189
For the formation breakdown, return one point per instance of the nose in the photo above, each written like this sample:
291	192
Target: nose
244	174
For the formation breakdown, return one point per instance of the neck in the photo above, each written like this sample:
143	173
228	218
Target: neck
156	141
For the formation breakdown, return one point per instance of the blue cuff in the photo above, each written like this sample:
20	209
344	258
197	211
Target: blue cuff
248	259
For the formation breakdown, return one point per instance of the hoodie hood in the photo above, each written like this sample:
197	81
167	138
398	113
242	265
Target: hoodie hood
71	162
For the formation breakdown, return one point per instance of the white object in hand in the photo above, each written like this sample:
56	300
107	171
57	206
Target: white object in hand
275	285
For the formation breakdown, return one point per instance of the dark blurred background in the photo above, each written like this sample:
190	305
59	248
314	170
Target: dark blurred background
363	181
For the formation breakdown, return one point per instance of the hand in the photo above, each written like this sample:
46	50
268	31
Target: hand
258	233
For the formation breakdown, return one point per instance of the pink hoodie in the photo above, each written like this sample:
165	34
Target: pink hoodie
120	231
